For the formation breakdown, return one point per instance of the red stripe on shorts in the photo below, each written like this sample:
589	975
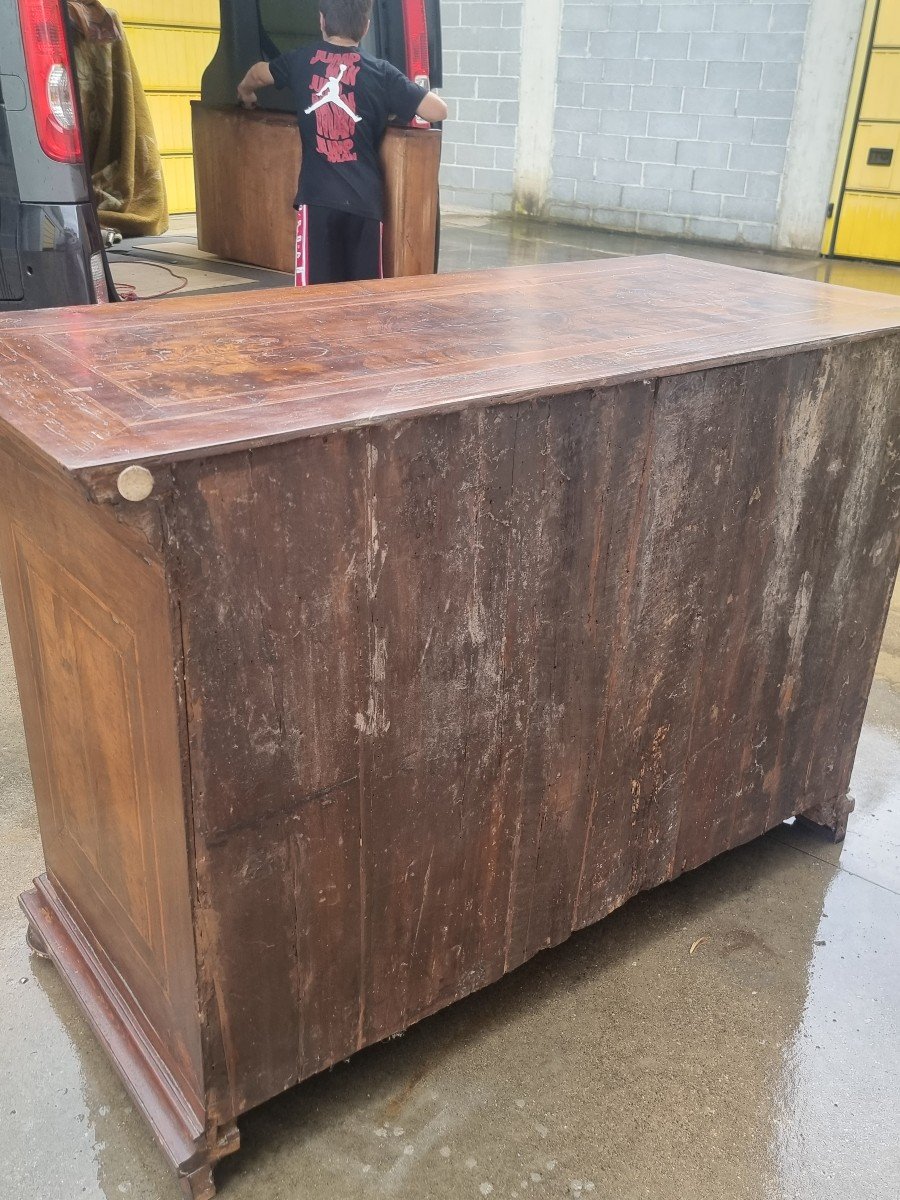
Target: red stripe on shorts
301	276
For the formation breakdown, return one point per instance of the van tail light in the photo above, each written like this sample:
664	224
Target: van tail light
50	79
418	65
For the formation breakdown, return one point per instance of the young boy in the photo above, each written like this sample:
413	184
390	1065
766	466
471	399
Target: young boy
344	100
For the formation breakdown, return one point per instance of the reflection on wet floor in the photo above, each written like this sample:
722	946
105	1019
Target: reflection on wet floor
477	243
837	1072
762	1066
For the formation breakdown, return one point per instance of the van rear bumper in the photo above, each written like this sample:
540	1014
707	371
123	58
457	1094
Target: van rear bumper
55	243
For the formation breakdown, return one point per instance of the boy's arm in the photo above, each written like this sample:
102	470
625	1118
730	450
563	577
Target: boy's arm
407	99
259	76
432	108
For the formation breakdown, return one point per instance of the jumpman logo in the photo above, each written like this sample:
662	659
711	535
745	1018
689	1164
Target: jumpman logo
331	94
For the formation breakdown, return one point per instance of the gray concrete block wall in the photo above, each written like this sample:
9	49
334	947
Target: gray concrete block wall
482	63
673	116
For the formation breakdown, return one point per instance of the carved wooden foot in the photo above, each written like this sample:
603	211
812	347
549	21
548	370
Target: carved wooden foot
831	816
36	942
199	1185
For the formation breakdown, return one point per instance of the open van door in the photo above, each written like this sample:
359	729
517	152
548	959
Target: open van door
246	162
405	32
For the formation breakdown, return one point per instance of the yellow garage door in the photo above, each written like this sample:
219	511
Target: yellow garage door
173	42
866	222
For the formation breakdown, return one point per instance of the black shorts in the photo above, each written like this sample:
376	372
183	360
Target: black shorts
337	247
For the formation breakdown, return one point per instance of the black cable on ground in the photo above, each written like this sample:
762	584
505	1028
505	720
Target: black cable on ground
123	287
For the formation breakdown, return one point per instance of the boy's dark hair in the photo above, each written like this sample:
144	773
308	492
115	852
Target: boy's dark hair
346	18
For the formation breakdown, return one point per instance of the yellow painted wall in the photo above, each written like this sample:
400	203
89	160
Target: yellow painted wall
866	221
173	42
889	661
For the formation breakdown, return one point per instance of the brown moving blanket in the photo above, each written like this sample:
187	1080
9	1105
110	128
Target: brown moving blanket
121	146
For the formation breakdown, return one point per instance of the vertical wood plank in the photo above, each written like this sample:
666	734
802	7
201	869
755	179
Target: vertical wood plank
846	609
268	562
732	745
434	639
570	574
659	636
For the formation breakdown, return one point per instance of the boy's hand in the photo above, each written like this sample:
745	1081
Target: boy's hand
257	77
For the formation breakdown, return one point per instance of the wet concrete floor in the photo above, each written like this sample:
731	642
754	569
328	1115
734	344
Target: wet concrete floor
762	1066
154	266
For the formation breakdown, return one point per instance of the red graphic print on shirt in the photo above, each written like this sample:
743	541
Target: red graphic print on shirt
334	103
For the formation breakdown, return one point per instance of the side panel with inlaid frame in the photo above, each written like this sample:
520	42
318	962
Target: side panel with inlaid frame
88	615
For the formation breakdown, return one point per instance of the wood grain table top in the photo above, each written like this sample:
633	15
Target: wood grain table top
183	378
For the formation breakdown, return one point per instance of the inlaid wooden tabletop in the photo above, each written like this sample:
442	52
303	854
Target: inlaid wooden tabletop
161	380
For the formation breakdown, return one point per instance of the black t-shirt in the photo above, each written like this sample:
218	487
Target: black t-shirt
344	99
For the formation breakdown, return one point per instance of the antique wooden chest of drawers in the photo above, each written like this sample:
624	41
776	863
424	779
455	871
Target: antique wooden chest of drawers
371	640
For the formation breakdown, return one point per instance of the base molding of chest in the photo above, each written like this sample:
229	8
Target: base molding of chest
191	1147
